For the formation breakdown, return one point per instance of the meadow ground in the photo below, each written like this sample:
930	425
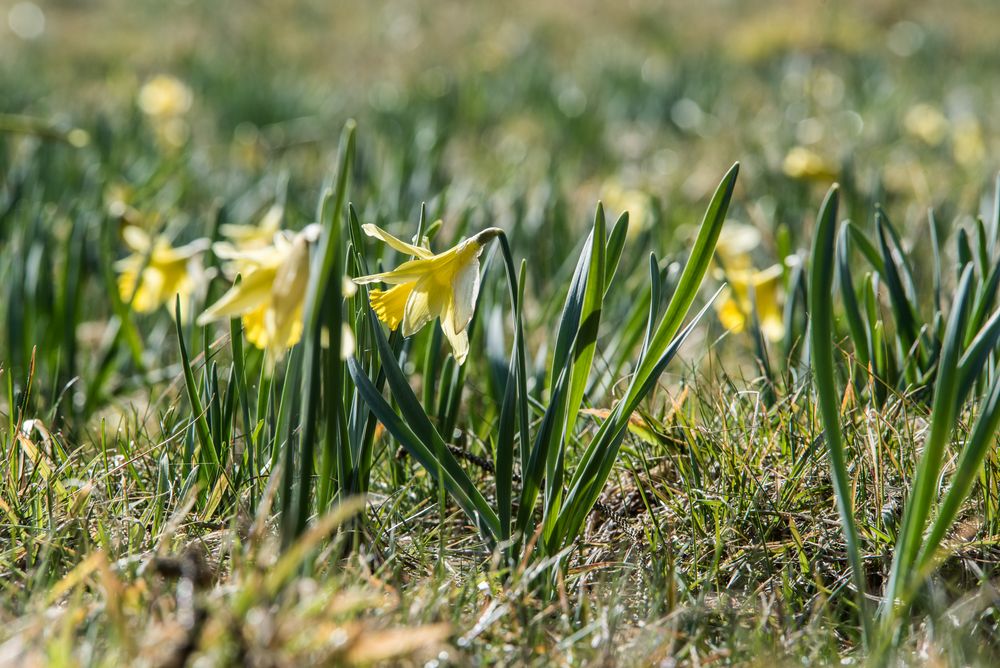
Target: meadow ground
729	415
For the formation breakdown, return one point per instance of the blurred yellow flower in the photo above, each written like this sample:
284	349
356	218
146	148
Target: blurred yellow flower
271	294
443	286
792	28
165	96
618	199
736	242
261	235
118	201
967	143
754	288
808	165
168	271
926	123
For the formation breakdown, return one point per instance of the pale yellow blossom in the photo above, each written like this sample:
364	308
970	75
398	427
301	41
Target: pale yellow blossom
736	242
808	165
165	96
271	295
618	199
156	272
261	235
750	289
443	286
967	143
926	123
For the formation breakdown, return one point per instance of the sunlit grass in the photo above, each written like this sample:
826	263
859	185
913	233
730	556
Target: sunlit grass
509	367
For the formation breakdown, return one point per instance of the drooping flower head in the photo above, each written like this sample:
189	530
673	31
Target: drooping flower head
156	271
443	286
754	291
244	237
271	294
749	291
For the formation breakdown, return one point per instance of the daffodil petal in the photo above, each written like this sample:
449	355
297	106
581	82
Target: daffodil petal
264	256
737	239
459	341
769	275
284	330
396	243
773	326
424	304
767	300
131	263
188	251
151	288
253	290
126	282
238	231
464	291
136	238
291	280
347	341
262	233
253	326
411	270
731	315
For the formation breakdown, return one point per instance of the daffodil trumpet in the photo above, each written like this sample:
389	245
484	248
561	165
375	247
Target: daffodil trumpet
443	286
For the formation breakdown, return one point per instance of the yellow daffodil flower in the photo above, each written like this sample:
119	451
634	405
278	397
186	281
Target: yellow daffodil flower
927	124
165	100
735	244
967	143
261	235
618	199
443	286
735	309
166	273
165	96
271	295
808	165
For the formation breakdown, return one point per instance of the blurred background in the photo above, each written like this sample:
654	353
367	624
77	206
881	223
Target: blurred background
655	96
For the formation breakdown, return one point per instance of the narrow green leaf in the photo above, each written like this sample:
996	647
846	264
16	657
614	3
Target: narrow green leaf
680	302
925	481
613	252
429	448
859	332
197	408
821	345
981	439
514	410
902	306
